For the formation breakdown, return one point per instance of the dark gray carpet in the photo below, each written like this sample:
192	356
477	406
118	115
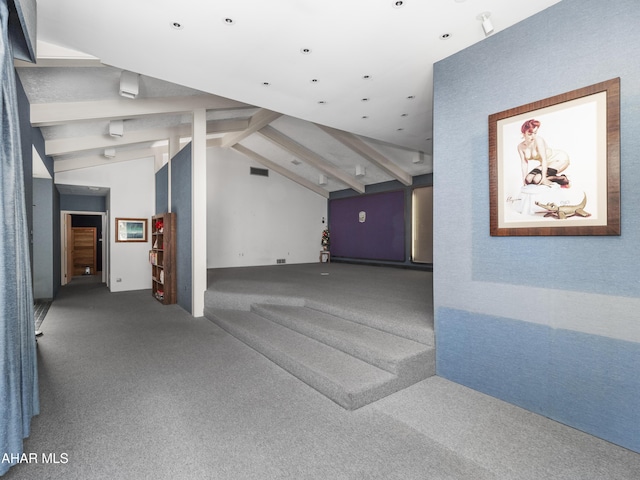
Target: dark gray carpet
131	389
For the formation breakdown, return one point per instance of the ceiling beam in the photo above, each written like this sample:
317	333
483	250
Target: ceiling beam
260	119
369	153
281	170
63	146
59	62
47	114
310	157
97	160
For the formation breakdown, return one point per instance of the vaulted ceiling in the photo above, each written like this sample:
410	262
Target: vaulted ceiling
331	94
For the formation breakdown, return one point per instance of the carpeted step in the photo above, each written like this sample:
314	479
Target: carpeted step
348	381
382	316
390	352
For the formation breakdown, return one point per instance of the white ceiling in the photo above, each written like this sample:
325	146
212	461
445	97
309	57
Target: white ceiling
369	62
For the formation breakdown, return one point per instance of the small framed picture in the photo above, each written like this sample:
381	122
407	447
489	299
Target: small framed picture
131	229
554	165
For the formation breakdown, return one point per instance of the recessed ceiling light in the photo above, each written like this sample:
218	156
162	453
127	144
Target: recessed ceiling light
404	115
445	36
265	84
398	3
295	161
399	129
411	97
364	100
177	25
365	116
322	102
228	21
314	80
305	51
366	77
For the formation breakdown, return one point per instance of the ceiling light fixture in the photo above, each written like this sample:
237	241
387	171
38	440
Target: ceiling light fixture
398	4
305	51
361	171
265	84
366	77
314	80
364	99
109	152
322	102
322	179
487	26
228	21
411	97
445	36
177	25
295	161
129	84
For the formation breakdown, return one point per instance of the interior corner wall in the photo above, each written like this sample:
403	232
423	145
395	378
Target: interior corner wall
363	247
547	323
131	195
46	229
24	114
255	220
181	205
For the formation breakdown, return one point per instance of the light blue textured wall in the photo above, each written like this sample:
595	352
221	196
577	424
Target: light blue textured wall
181	206
550	323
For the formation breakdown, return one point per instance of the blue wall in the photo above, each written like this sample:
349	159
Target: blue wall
181	206
547	323
83	203
162	190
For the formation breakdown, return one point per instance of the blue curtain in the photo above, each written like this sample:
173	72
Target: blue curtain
19	377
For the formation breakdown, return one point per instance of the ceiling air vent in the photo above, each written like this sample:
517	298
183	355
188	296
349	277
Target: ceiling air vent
263	172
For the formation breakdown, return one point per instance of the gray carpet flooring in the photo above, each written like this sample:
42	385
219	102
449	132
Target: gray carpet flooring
355	333
131	389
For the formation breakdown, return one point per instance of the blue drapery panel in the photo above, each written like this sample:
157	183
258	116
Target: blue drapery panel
19	381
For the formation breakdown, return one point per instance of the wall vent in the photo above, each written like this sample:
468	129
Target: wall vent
281	260
263	172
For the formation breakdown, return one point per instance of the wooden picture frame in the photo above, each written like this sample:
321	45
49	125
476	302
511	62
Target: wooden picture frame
579	132
131	230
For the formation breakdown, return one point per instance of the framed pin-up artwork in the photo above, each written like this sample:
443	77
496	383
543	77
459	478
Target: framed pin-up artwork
554	165
131	229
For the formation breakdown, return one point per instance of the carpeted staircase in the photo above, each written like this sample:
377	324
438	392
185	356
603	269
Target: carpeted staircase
352	358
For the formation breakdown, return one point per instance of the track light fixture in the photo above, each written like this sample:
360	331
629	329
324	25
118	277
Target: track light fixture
129	84
322	179
110	152
487	26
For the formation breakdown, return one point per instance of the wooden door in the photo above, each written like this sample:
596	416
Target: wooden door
84	250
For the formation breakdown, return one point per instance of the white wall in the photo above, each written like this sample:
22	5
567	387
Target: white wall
132	195
254	220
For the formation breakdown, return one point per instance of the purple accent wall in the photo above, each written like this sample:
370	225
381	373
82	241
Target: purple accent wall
380	237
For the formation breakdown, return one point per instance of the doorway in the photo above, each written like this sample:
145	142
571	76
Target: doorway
83	251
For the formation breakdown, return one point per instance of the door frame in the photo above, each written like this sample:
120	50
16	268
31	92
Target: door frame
65	219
